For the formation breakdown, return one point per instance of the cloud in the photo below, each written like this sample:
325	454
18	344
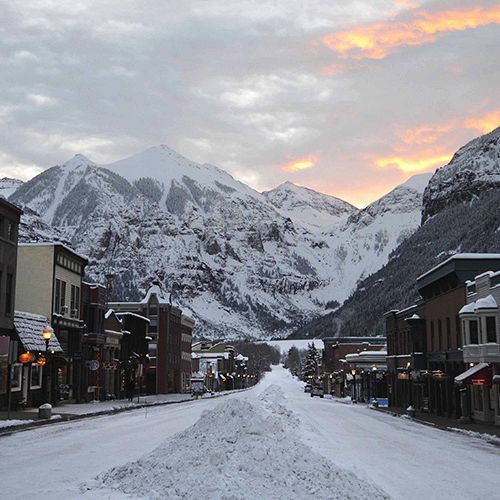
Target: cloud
413	165
485	122
41	100
301	164
378	40
17	169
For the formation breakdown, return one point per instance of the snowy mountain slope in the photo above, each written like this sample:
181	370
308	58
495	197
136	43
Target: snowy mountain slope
8	186
234	257
473	169
308	207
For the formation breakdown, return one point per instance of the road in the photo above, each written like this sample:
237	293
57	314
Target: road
403	458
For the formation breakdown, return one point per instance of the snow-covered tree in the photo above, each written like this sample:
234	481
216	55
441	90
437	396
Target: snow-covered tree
310	365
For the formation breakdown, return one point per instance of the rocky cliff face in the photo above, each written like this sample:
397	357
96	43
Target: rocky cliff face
474	169
245	264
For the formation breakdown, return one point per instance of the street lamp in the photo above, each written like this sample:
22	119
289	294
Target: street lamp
47	333
353	372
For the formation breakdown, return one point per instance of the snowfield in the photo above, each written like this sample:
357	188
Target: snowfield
272	441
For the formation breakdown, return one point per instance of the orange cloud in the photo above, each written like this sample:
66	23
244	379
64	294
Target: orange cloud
377	40
425	134
411	165
301	164
485	123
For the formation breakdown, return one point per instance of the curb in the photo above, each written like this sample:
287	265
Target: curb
433	425
7	431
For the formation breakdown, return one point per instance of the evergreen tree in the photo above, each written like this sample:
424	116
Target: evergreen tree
310	366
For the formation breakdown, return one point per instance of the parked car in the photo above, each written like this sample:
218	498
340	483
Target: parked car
307	388
317	390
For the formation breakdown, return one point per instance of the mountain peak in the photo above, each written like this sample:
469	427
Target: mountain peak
78	160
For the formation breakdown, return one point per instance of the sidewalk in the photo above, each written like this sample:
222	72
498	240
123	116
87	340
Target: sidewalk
28	418
488	432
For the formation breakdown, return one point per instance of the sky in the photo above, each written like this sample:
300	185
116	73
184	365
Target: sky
348	97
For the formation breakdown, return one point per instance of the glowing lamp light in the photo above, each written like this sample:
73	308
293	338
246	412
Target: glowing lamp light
42	361
353	372
47	333
26	357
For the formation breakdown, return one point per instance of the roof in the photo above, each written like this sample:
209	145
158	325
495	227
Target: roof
10	206
465	265
156	290
29	330
467	375
135	315
487	302
56	244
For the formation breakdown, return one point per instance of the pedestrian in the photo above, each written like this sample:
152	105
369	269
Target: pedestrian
130	388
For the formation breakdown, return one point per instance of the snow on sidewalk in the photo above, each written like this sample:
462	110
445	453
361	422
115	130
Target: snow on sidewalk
237	450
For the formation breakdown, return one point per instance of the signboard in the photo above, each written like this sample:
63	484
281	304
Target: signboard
93	365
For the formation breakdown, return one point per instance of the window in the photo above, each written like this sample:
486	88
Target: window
448	333
57	298
458	331
63	297
474	332
440	335
2	227
75	301
478	397
12	231
15	377
491	329
8	294
36	376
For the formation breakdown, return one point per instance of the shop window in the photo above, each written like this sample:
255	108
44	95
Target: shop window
16	377
474	331
491	329
36	376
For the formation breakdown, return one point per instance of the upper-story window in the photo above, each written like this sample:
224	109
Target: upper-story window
75	302
11	231
491	329
9	289
474	331
60	297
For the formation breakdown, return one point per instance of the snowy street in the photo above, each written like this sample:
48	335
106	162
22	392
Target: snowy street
274	435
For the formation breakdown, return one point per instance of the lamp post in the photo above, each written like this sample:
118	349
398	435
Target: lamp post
47	333
353	372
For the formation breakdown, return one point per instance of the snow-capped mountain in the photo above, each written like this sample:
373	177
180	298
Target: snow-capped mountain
8	186
244	263
307	207
473	169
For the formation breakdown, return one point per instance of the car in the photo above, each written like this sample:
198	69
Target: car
307	388
317	390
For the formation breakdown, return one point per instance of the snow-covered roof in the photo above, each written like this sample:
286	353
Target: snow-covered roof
415	316
464	256
487	302
119	314
29	329
471	371
156	290
55	244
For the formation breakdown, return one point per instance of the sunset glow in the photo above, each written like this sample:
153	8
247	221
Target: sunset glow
301	164
411	165
485	123
377	40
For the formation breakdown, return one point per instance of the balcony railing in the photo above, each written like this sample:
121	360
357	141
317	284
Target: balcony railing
482	353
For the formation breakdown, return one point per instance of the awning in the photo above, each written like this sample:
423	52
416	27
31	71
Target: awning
496	379
29	329
479	374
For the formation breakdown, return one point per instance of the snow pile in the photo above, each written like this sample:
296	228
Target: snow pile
274	401
235	451
490	438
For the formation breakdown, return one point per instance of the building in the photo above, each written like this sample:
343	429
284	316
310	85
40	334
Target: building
368	371
168	370
336	374
422	374
217	362
10	216
49	284
481	349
